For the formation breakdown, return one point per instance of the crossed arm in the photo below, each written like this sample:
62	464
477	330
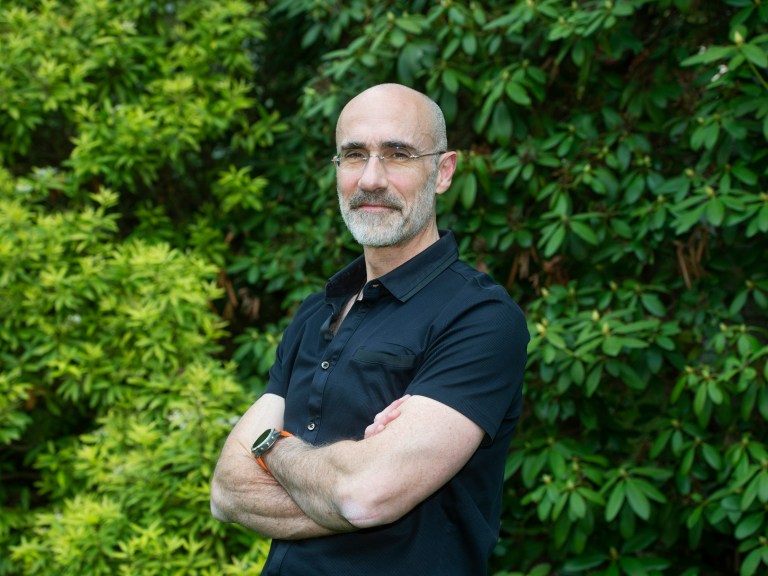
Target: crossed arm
417	443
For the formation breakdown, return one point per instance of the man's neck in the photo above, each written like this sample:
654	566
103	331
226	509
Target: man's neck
380	261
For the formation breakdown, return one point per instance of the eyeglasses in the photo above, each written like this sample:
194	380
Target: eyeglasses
394	157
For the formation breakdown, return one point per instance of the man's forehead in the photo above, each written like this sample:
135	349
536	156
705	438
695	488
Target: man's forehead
370	133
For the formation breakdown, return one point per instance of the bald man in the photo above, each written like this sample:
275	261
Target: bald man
379	444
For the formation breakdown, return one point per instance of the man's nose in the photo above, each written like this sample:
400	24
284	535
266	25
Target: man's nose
374	174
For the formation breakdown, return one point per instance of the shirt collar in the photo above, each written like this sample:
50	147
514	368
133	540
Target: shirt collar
405	280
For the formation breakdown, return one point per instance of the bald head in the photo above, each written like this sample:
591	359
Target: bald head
386	100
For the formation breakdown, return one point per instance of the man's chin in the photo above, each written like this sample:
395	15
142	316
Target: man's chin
376	239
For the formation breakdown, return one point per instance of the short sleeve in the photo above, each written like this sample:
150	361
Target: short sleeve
476	361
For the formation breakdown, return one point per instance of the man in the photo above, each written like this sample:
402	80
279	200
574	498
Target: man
401	383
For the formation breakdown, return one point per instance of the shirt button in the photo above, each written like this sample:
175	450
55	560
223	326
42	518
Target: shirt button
311	426
324	365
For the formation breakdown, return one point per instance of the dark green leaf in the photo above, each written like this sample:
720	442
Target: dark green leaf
615	502
756	55
749	525
637	499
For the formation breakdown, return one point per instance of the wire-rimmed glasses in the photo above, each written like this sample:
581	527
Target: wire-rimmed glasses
391	157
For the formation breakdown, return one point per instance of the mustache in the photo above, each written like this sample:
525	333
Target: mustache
390	201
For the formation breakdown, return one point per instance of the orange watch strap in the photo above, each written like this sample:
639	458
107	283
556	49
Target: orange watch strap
284	434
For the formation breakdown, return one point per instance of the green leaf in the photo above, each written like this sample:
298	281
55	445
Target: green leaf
749	525
694	517
712	456
469	191
687	461
637	499
744	174
559	506
762	491
715	211
540	570
577	372
653	304
649	490
750	493
712	54
557	463
700	400
612	345
450	80
409	25
714	392
577	505
469	43
555	241
584	563
615	502
755	54
653	472
593	380
397	38
660	443
517	94
751	563
632	566
532	467
584	232
501	124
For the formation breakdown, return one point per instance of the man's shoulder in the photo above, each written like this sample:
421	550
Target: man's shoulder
465	294
479	283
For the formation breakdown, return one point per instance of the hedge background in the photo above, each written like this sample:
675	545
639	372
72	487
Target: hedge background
167	199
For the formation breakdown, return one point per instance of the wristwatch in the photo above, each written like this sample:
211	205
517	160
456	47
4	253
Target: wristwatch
264	442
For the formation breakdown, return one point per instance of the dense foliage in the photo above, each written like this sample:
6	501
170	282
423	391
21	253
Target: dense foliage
166	200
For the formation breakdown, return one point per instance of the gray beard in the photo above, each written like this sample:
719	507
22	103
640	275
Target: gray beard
393	227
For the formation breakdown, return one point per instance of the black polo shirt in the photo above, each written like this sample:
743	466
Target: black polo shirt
435	327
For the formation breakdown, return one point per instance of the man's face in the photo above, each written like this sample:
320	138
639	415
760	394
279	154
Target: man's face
386	203
389	216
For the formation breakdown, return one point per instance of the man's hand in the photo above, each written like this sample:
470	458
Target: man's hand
385	417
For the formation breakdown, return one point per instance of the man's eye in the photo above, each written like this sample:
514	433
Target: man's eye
353	155
398	153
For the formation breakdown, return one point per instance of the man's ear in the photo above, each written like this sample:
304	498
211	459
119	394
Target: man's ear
445	171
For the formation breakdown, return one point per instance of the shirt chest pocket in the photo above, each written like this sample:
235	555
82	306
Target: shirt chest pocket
385	358
383	374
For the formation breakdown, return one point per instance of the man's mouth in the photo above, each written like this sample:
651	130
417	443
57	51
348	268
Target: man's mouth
374	204
367	207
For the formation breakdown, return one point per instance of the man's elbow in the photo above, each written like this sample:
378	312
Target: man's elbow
218	503
365	506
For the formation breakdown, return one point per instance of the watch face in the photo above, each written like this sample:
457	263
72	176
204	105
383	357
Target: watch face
264	442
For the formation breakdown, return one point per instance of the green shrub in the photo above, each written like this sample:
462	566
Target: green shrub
111	391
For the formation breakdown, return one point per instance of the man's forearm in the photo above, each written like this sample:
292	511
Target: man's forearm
243	493
310	482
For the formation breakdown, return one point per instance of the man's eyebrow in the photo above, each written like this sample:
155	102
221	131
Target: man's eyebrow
352	146
397	144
